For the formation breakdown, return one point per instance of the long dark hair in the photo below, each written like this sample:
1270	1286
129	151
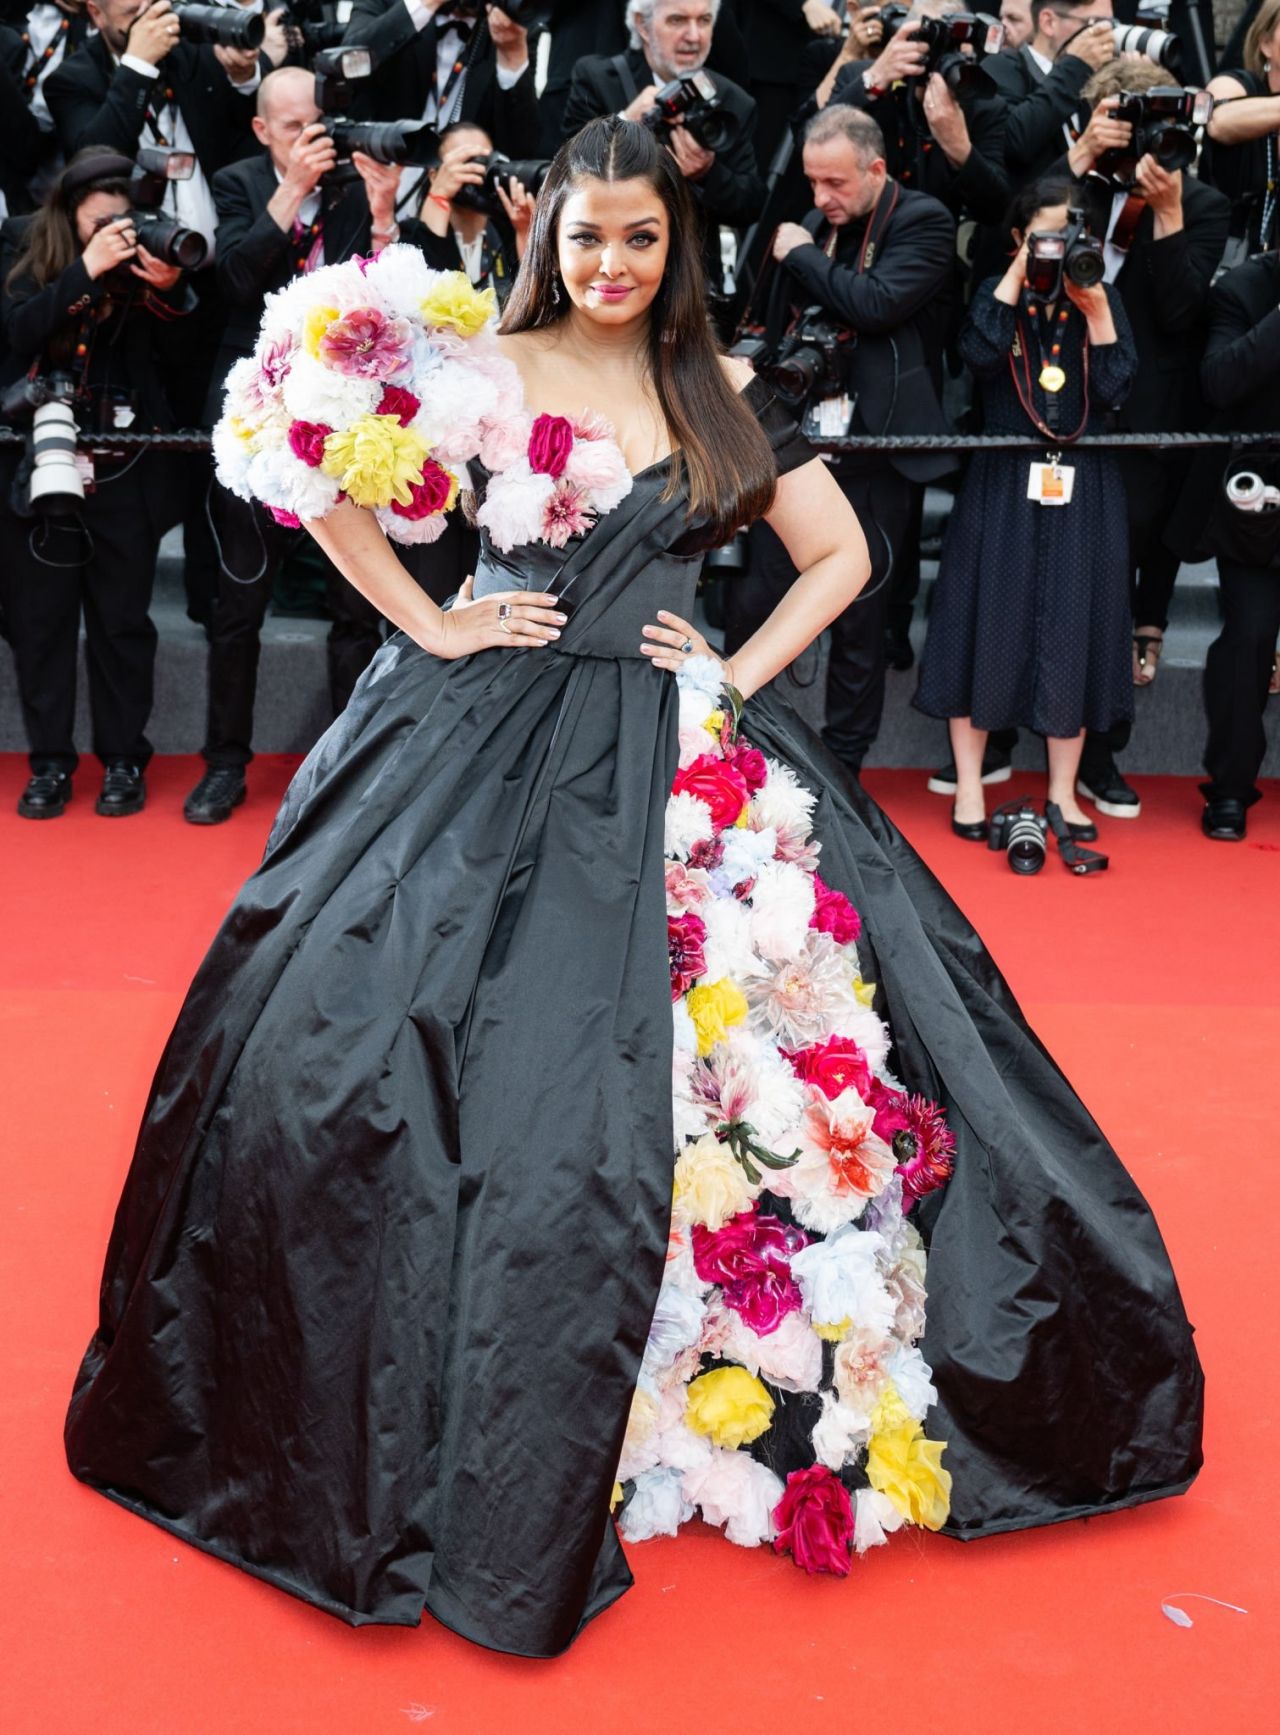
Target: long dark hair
720	451
51	243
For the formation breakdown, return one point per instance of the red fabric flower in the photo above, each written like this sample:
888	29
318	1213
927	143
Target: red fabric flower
916	1131
306	441
397	402
430	493
833	914
289	520
815	1521
750	761
721	785
834	1065
750	1257
686	936
550	444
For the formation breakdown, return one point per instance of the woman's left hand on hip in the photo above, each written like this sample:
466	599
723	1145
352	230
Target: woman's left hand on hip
673	641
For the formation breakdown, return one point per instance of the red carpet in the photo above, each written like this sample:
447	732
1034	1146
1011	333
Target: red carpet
1156	987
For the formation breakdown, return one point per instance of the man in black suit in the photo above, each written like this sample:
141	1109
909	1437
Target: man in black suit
279	214
876	258
670	39
34	41
448	60
1043	83
778	34
1165	235
20	138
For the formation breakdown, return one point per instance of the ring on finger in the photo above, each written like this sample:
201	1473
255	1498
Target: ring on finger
504	612
687	647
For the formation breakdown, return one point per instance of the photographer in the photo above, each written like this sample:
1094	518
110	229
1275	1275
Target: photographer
873	261
448	60
946	144
458	213
1242	155
1017	17
1030	616
84	302
21	141
42	36
280	214
1164	234
1043	83
1240	375
670	40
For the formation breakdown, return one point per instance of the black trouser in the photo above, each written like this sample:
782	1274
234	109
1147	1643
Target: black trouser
252	547
855	672
1237	671
103	563
1153	484
189	352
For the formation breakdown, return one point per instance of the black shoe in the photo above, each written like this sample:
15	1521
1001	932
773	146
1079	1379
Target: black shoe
46	795
123	791
1086	833
218	791
973	831
1101	783
996	768
898	653
1224	820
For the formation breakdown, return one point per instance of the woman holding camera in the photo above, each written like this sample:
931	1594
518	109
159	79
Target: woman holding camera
1030	620
81	304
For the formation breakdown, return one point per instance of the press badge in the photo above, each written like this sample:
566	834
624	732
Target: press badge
829	418
1051	484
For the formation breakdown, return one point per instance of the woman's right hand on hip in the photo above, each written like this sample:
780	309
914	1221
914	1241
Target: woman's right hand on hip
497	622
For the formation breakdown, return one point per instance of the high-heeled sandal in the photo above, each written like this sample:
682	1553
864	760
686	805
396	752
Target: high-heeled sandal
1074	858
1149	647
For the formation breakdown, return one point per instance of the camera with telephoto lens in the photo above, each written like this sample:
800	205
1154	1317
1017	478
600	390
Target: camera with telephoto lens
386	141
811	359
219	26
946	40
693	102
1247	492
1164	123
53	483
1160	47
163	236
1018	830
1073	253
498	170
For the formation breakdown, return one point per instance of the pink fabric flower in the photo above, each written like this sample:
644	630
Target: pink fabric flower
750	761
275	361
915	1130
721	785
503	439
591	425
430	493
815	1521
686	937
833	914
750	1258
835	1065
401	404
306	441
366	344
550	442
567	513
289	520
598	466
686	891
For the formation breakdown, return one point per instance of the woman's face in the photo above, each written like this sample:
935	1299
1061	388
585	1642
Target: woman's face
612	242
95	211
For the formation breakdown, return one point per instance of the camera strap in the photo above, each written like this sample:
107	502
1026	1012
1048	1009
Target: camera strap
1021	353
622	66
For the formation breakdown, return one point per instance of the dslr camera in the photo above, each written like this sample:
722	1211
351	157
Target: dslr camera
498	170
1071	253
1018	830
219	26
1164	123
947	39
693	102
810	361
386	141
1160	47
49	480
159	233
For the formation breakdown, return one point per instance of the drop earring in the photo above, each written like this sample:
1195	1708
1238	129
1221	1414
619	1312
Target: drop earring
555	292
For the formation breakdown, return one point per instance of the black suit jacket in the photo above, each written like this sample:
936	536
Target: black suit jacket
95	102
407	65
899	308
255	256
20	137
1037	106
732	190
980	188
776	36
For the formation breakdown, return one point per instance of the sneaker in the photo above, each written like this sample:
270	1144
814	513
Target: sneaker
123	791
1102	784
219	791
996	768
46	795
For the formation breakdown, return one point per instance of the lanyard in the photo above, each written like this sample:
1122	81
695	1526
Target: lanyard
1020	352
37	63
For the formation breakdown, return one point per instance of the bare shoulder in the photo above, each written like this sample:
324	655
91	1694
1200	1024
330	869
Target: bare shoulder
738	371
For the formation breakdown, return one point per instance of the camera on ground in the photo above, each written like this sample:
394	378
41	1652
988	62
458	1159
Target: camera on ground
219	26
957	44
1071	253
1020	831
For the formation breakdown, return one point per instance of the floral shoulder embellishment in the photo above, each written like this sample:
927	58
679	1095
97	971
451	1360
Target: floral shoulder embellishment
562	474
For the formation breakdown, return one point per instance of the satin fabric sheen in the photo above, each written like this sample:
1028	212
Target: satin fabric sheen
383	1268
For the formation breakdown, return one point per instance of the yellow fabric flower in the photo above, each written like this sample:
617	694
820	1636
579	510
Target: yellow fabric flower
713	1009
834	1331
714	724
615	1496
904	1466
314	326
710	1185
454	303
865	992
730	1405
375	460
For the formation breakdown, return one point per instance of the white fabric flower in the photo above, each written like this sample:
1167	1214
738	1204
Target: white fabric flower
401	278
453	403
727	947
676	1324
685	1035
784	801
657	1506
513	506
839	1433
782	905
755	1084
913	1376
412	531
281	480
790	1357
699	674
688	820
745	853
314	393
839	1279
875	1518
734	1489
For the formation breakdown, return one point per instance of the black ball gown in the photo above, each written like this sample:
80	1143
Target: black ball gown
384	1269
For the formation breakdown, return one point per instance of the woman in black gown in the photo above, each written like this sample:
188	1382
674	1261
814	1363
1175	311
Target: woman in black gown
382	1279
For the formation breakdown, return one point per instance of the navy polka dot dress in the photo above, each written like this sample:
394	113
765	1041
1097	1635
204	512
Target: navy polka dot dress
1030	623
